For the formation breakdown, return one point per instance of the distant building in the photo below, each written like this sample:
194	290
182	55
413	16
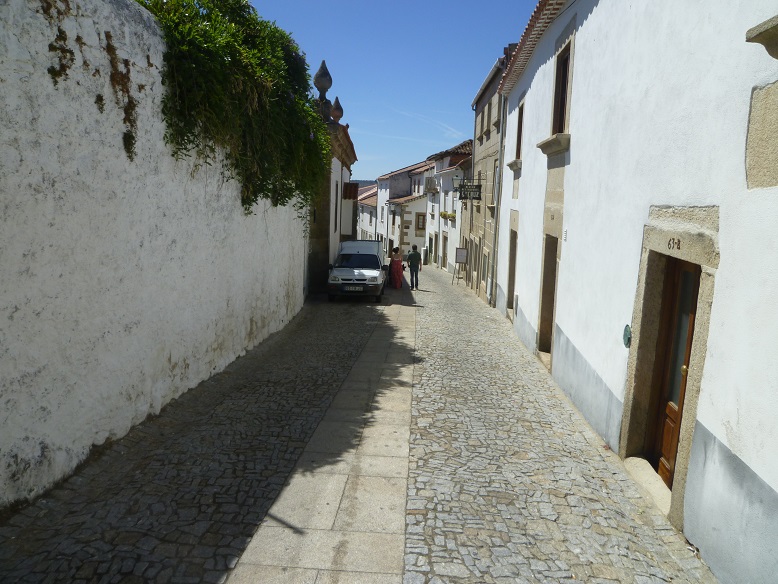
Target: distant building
444	209
478	231
399	194
367	227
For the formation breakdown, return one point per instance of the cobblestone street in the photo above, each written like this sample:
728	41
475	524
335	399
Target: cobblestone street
505	481
178	498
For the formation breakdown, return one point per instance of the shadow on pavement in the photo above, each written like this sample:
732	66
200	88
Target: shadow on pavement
179	497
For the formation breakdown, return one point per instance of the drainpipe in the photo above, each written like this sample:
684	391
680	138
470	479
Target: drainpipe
471	207
439	256
498	199
386	230
454	176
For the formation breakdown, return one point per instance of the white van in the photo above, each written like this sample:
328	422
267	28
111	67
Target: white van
359	270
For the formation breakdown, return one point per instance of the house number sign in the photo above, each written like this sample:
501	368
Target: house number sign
674	243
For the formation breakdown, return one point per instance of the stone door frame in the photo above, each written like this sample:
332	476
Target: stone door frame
690	234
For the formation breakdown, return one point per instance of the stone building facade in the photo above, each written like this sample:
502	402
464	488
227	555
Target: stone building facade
480	216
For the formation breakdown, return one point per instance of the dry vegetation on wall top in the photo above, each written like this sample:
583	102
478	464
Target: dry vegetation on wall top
240	84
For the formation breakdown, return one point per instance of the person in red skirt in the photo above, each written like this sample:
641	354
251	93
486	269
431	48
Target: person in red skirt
396	268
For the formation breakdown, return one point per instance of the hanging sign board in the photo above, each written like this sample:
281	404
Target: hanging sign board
461	255
471	192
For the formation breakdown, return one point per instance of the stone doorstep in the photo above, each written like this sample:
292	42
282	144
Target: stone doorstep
644	475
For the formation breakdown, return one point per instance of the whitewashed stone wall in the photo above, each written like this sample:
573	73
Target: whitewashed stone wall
660	102
123	283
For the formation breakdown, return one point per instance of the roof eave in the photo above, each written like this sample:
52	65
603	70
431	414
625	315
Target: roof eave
544	14
495	68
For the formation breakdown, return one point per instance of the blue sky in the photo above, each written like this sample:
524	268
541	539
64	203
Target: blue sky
405	71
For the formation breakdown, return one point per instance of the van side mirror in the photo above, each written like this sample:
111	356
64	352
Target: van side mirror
385	268
330	266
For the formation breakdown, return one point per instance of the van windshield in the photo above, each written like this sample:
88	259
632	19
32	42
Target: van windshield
357	261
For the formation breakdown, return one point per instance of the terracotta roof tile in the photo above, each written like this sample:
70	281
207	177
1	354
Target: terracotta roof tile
456	162
407	169
402	200
366	191
422	169
544	14
369	200
465	147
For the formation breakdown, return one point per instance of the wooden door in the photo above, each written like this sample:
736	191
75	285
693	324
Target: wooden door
512	269
679	306
547	294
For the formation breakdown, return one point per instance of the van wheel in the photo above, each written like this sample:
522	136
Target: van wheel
378	298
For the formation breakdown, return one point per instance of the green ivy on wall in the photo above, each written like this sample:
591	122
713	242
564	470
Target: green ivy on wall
240	84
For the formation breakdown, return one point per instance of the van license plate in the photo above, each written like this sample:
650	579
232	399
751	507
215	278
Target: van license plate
353	288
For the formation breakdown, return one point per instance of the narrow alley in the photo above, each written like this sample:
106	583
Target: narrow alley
410	441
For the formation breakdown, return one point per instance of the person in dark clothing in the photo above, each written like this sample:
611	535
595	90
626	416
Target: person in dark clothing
414	265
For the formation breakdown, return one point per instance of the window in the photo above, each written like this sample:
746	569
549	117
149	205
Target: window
358	261
421	221
336	208
560	91
519	131
488	117
382	214
494	180
371	219
394	216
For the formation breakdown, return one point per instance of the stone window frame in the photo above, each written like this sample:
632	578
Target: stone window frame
337	197
761	141
559	141
488	123
560	118
519	130
766	34
515	164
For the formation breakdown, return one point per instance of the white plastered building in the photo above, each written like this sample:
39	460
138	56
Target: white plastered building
443	205
636	251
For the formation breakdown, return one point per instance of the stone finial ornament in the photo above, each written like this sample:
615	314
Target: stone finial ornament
322	80
337	111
